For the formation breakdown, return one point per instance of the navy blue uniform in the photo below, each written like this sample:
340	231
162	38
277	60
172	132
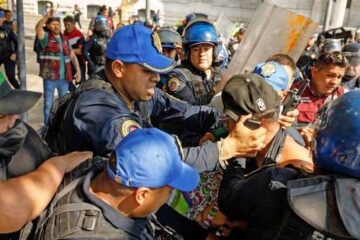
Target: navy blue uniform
100	119
190	85
94	52
98	220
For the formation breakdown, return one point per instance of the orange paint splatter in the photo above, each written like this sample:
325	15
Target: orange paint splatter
296	25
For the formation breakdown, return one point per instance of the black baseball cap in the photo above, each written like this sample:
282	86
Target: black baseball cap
248	94
15	101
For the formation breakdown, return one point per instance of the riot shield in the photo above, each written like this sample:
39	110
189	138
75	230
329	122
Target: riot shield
225	27
272	30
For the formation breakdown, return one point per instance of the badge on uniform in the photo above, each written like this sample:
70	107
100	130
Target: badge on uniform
174	84
128	126
268	69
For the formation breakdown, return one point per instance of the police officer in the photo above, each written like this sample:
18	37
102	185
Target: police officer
8	48
195	80
351	79
171	44
128	100
292	202
27	181
95	47
114	202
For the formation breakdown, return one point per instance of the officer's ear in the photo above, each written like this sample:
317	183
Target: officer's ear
141	195
118	68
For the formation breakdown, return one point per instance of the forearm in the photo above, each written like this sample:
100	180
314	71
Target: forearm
75	61
24	198
39	27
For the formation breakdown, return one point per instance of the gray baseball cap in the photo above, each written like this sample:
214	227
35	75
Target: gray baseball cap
15	101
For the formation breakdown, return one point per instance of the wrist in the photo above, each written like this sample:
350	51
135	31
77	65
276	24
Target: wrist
223	147
60	164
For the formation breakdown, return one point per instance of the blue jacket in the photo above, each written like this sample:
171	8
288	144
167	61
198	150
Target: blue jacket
100	119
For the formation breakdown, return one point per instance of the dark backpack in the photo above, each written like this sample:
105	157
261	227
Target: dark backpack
69	216
63	106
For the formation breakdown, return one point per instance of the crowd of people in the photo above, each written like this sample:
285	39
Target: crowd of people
134	149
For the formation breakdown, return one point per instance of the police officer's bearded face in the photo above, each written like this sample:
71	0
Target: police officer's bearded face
201	56
326	79
54	27
6	122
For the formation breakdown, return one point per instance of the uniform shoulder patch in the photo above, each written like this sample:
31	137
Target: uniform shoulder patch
268	69
174	84
128	126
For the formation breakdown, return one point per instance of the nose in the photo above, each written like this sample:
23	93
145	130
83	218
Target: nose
202	51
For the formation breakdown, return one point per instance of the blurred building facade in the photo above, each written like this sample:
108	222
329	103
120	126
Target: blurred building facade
171	11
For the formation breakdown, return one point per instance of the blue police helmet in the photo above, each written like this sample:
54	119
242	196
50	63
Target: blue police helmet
200	31
337	143
101	24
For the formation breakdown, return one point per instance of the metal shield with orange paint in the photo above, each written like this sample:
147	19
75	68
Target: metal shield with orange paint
272	30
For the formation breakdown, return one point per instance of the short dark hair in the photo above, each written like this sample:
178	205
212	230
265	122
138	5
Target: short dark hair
53	19
282	59
102	8
69	19
7	11
333	58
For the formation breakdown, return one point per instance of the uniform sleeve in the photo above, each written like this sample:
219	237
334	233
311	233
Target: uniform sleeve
14	43
103	120
85	51
166	108
171	110
178	86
